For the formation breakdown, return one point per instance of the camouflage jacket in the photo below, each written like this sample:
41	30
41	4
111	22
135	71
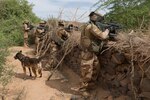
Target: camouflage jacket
91	37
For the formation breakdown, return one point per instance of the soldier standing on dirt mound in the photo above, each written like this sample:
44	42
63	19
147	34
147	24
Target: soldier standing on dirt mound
91	39
26	29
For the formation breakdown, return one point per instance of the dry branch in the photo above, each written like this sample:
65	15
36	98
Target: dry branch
66	48
132	65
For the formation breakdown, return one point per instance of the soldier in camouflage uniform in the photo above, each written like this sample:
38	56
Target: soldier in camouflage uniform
26	29
91	39
61	34
57	38
40	33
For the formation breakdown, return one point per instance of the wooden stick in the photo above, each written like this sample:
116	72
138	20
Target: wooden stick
67	46
132	65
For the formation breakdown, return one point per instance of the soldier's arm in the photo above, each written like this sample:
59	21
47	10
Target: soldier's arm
26	28
66	34
97	32
40	30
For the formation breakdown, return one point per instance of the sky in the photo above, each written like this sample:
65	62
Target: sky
52	8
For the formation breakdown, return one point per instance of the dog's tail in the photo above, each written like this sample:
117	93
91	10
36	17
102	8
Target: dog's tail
41	57
40	69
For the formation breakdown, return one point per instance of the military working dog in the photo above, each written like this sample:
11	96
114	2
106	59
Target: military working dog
30	63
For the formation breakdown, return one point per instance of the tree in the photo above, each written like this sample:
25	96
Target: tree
130	13
12	15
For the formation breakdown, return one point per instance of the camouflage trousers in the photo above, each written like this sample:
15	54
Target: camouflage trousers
25	39
26	42
53	50
90	67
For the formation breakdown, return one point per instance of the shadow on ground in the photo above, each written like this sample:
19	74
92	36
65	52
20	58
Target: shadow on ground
21	76
65	84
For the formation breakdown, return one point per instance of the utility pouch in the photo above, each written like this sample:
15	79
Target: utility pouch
95	47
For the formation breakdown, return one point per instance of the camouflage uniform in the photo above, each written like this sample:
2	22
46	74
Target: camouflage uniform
91	43
57	38
41	32
53	55
26	29
60	34
72	27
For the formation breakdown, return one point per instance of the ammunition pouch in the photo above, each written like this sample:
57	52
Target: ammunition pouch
40	35
93	46
96	47
57	39
59	42
31	27
85	42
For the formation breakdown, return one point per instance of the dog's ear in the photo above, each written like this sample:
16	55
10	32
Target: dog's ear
20	51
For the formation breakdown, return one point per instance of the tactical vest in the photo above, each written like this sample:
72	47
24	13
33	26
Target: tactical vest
56	38
45	28
90	41
40	33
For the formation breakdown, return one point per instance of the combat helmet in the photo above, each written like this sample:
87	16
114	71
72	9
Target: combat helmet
26	21
43	22
95	13
61	23
94	16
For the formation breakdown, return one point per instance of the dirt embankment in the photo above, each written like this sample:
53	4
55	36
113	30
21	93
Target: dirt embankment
125	68
124	75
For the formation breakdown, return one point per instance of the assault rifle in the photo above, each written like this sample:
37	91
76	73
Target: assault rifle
112	27
31	26
43	27
71	27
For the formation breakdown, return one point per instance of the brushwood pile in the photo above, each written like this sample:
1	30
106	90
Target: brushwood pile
124	64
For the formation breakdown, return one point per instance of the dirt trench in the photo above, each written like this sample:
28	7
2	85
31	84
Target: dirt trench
113	83
58	88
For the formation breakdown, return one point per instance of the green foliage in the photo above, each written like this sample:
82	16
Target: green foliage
6	76
130	13
12	15
3	54
3	51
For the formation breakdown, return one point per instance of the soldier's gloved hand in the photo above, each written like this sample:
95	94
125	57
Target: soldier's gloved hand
106	31
105	34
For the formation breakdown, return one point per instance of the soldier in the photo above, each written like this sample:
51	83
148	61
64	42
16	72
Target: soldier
60	34
91	39
43	24
26	29
57	37
41	31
